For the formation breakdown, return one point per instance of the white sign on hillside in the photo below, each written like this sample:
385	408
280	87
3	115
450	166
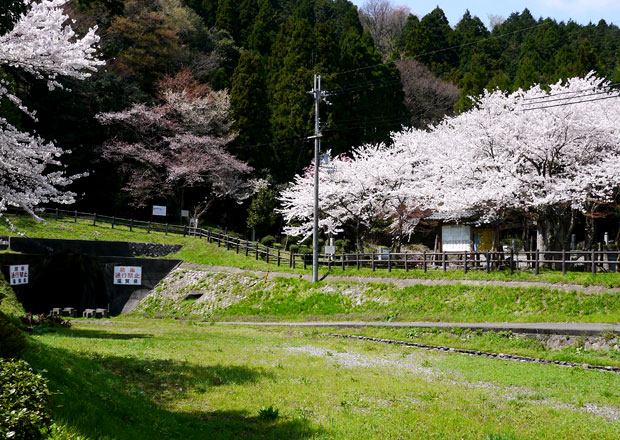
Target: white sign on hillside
159	210
18	274
128	275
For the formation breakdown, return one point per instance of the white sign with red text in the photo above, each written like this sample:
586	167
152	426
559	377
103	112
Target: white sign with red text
18	274
128	275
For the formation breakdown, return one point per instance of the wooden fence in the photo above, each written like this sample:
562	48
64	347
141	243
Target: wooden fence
593	261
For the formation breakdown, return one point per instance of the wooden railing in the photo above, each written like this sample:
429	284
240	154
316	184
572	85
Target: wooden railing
594	261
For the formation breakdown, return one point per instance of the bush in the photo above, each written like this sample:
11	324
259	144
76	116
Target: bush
268	240
293	249
24	400
13	340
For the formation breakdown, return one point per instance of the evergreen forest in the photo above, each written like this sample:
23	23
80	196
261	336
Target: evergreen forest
382	72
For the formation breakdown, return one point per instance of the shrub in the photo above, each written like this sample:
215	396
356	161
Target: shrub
268	413
294	248
268	240
24	400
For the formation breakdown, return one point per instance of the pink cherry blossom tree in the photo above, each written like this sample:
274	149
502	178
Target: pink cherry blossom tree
521	151
177	144
42	44
546	154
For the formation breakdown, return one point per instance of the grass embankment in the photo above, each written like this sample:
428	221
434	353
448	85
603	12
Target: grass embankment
144	379
198	251
247	297
9	305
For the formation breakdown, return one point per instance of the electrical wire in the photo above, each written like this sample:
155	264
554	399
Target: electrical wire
570	103
590	89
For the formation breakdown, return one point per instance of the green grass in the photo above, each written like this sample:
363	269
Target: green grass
246	297
198	251
141	379
494	342
9	305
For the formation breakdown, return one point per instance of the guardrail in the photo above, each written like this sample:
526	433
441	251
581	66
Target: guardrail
594	261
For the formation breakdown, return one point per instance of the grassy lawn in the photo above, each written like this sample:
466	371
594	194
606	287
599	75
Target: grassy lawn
248	297
198	251
145	379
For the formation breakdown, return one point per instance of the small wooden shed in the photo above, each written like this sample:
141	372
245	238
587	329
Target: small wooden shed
463	232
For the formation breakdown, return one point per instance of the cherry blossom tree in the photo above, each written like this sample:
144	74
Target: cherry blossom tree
544	153
547	154
43	45
355	192
167	148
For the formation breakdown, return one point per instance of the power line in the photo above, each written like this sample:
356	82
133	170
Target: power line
568	98
570	103
589	89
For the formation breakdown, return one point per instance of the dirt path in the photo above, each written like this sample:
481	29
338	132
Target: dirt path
405	282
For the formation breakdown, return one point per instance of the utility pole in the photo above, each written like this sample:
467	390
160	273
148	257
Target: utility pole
318	94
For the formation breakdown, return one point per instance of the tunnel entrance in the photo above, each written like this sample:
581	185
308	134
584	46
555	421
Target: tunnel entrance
64	280
80	273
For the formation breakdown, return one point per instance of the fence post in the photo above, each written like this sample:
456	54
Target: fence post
95	220
56	217
228	242
593	262
357	259
488	262
256	250
113	221
465	262
148	231
342	258
209	236
537	262
237	244
424	261
389	261
293	260
166	228
406	264
219	240
131	225
563	262
75	217
443	260
512	261
278	257
372	261
267	254
247	248
303	257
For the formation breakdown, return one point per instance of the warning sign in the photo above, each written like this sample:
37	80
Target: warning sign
128	275
18	274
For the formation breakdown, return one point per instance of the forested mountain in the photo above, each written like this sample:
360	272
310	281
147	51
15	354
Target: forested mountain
381	72
516	53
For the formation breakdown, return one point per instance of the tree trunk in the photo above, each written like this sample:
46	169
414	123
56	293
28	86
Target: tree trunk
551	230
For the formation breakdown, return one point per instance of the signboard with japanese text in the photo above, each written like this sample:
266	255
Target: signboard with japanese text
18	274
128	275
159	210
